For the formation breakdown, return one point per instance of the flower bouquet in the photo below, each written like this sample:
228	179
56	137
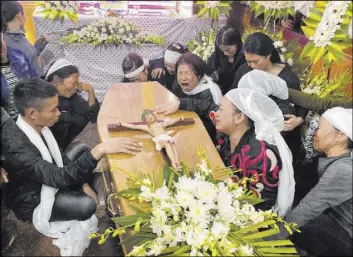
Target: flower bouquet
327	27
111	31
59	10
204	45
189	213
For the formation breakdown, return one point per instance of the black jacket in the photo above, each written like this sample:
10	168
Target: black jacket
27	171
200	103
249	155
75	115
166	79
224	78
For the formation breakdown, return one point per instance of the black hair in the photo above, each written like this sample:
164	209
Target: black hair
131	62
350	144
227	35
9	9
197	65
62	73
31	92
176	47
251	124
261	44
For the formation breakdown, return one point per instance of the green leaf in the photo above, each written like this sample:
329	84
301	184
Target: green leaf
137	209
170	249
320	53
254	227
134	191
183	249
272	243
202	12
307	49
261	234
131	219
308	31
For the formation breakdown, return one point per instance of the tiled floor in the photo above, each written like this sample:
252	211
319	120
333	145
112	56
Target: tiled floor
29	242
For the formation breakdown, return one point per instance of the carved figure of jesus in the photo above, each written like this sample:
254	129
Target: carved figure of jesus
160	136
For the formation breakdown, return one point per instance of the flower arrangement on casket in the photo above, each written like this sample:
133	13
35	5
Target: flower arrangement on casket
189	213
112	31
203	46
59	10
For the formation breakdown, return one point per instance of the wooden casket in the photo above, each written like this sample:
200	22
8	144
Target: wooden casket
125	102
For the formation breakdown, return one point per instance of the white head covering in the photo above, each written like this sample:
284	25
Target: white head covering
341	119
265	83
171	56
57	65
268	121
136	72
207	83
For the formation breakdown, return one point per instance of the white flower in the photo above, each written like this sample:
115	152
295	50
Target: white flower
156	249
146	193
121	30
205	192
283	49
184	198
47	5
54	9
198	213
162	193
138	251
104	30
225	208
219	230
204	169
247	250
282	58
186	184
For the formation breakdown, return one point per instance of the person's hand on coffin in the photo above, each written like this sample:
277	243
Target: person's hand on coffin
168	108
84	86
157	73
292	122
287	24
3	176
116	145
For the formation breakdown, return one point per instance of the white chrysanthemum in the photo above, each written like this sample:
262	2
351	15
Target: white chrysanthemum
238	192
198	213
225	208
162	193
205	192
186	184
146	193
247	250
184	199
219	230
270	5
290	61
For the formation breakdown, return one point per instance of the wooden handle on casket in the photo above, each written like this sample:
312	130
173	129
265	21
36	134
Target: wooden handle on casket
115	127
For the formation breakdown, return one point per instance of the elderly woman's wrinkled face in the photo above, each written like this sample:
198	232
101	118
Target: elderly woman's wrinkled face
170	67
257	62
67	87
186	77
143	77
228	117
325	137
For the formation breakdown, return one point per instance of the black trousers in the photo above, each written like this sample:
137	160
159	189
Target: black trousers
69	204
323	236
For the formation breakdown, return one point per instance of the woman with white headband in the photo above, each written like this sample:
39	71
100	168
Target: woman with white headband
165	67
75	111
195	90
135	69
324	215
277	89
252	122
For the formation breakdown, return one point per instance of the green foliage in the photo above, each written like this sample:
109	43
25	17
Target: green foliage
58	10
340	41
212	9
265	7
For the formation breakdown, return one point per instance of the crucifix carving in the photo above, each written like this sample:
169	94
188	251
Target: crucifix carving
160	136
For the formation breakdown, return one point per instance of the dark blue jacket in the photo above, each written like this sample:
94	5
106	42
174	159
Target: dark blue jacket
20	65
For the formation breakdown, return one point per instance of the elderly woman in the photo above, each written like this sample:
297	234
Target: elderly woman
324	215
75	111
195	90
253	122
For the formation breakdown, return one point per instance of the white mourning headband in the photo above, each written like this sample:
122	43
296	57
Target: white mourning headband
57	65
136	72
171	57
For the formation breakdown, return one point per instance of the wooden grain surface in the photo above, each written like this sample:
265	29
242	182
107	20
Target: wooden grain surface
125	102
